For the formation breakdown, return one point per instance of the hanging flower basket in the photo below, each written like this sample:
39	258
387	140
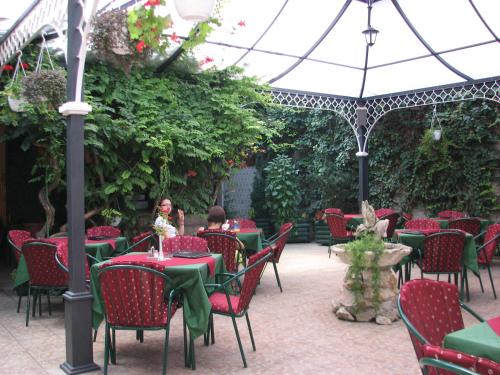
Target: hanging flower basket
195	10
45	86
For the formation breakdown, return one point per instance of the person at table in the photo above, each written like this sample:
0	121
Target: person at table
164	209
216	218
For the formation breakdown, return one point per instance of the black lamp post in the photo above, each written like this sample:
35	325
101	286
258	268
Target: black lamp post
370	33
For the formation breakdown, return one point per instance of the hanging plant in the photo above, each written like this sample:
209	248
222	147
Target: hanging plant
45	86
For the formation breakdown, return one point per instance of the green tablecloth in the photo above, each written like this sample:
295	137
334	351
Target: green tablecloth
190	279
416	241
443	223
251	240
478	340
97	250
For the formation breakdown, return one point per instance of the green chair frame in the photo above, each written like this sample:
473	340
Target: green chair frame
226	287
110	337
426	362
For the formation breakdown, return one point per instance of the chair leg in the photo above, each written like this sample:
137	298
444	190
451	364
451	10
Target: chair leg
192	357
329	251
250	331
239	341
492	285
28	306
165	349
113	346
106	348
48	302
40	304
480	282
466	278
277	275
19	303
212	329
95	335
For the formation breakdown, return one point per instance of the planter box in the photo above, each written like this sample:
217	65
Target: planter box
300	233
266	225
322	233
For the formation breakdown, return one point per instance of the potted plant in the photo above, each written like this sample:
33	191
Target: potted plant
13	91
111	216
45	86
370	286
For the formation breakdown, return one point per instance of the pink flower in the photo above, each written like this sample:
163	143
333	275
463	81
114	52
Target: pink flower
25	65
206	60
174	38
140	46
241	23
152	3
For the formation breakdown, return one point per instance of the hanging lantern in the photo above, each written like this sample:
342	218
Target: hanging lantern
195	10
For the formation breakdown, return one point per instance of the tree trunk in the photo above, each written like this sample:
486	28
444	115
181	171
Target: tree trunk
43	197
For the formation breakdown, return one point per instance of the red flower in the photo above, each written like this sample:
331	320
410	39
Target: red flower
230	163
152	3
25	65
174	38
140	46
8	67
206	60
241	23
191	173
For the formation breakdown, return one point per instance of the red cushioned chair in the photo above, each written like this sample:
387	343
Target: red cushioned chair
469	225
46	276
247	224
135	298
185	243
485	253
236	306
16	239
450	214
443	254
337	225
487	367
383	212
422	223
277	244
225	243
393	220
430	310
104	231
143	241
436	365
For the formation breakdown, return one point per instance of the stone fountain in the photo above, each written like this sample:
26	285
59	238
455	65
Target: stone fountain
345	306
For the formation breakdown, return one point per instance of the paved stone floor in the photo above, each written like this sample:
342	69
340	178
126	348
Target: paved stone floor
295	331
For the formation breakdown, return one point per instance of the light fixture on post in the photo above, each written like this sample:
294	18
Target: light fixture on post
370	33
194	10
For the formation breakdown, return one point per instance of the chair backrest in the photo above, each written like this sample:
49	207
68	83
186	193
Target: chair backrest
440	361
135	296
16	239
247	224
443	252
422	223
225	243
253	272
104	230
40	256
281	240
141	242
491	241
469	225
185	243
336	225
383	212
393	218
450	214
430	310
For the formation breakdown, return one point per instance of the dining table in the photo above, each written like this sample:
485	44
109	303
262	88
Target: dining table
482	339
99	249
415	239
187	274
251	238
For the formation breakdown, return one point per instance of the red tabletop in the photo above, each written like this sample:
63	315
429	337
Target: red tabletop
143	260
495	325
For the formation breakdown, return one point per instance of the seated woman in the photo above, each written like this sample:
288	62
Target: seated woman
216	218
164	210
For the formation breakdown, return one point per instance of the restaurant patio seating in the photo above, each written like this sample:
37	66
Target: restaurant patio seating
430	310
136	298
337	226
443	254
45	273
103	231
16	238
143	241
450	214
225	243
185	243
277	243
469	225
236	306
422	223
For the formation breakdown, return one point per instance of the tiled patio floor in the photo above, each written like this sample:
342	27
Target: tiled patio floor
295	331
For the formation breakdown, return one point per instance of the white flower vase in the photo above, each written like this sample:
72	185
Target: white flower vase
160	254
